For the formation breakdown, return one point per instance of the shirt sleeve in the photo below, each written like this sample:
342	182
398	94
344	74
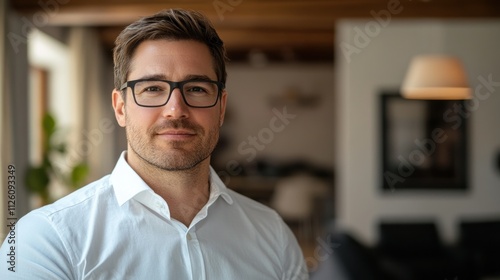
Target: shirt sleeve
33	249
294	267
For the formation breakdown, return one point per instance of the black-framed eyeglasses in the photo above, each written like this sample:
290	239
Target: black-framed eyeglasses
197	93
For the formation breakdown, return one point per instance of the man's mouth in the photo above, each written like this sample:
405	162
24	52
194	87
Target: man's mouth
176	134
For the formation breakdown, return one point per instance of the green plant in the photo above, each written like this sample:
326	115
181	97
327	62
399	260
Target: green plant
39	177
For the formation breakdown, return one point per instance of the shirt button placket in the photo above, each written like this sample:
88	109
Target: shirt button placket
195	255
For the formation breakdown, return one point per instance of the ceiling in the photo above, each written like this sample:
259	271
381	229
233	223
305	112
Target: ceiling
282	29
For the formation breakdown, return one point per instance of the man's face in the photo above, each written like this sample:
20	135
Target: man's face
174	136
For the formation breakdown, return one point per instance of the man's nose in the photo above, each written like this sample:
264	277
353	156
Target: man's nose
175	107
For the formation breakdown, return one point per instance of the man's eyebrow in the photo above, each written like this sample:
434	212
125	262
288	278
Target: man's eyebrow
153	77
197	77
187	77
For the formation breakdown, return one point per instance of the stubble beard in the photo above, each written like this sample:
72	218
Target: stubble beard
179	155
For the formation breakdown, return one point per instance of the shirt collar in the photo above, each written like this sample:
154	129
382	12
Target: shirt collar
218	188
127	184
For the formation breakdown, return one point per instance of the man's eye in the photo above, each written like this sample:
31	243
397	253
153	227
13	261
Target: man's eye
197	89
150	90
154	88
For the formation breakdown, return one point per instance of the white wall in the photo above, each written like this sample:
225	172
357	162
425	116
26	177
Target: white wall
379	62
48	53
307	136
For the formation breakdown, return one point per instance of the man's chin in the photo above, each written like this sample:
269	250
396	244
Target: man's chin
177	165
173	145
175	160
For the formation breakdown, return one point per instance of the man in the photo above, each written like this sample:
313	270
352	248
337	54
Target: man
163	213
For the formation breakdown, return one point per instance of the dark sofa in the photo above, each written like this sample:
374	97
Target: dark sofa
414	251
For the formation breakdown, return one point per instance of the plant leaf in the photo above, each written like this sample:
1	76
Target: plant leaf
78	174
48	125
61	148
37	179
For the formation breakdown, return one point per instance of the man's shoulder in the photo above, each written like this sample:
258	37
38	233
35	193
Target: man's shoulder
79	200
253	207
248	203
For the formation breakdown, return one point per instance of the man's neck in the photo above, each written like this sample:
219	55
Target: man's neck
185	191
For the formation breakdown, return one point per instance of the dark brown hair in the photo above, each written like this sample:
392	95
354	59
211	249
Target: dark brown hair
172	24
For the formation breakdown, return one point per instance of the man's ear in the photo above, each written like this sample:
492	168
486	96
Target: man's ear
223	101
119	107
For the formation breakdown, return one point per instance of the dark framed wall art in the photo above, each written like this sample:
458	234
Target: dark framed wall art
424	144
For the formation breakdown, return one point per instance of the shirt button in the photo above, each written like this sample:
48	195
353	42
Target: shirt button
188	236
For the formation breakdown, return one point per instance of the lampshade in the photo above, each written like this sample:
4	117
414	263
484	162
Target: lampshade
436	77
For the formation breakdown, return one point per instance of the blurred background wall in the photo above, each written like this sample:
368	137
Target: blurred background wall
361	204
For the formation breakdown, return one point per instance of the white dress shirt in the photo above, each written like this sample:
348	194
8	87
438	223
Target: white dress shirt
118	228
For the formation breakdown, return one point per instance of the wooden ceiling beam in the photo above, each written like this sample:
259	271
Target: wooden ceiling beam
267	25
292	14
240	39
255	39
